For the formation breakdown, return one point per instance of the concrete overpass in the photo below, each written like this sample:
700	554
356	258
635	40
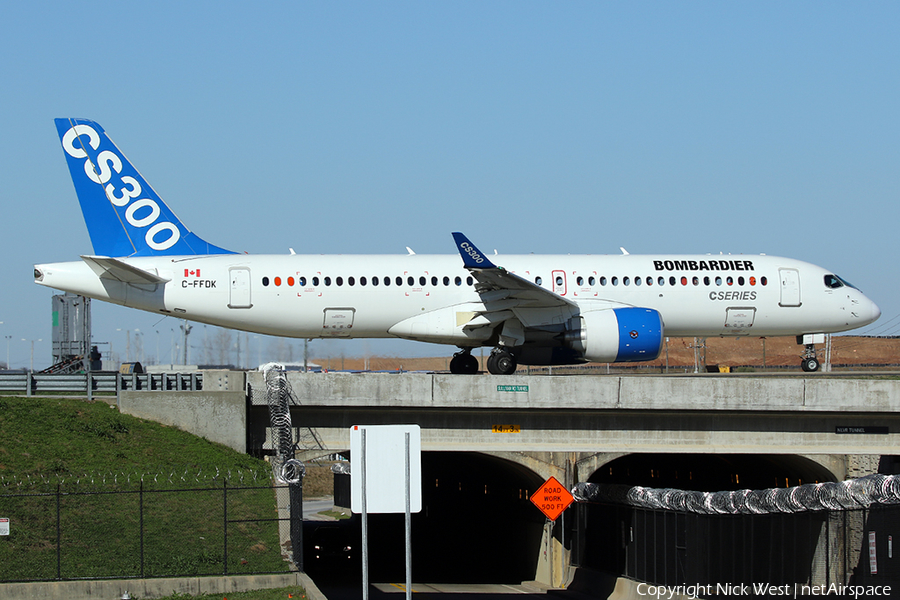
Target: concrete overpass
489	437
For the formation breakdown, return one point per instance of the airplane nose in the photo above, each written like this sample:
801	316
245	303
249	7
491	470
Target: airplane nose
875	312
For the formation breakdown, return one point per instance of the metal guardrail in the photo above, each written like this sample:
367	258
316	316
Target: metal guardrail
31	383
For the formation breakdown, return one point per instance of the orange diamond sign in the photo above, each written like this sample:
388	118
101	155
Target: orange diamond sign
552	498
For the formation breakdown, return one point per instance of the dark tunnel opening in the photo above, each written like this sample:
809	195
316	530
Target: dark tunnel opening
477	525
666	547
711	472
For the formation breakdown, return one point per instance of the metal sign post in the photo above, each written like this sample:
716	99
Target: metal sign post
365	524
408	524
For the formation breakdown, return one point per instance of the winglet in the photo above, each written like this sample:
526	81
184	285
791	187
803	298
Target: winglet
473	258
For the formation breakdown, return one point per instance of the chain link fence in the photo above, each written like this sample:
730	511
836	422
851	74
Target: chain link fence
127	525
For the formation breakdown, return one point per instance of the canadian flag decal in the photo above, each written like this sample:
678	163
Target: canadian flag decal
191	273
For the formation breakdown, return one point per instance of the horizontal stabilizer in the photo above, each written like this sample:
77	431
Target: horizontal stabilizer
115	269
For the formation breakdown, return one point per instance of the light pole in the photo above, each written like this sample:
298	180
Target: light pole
9	337
32	351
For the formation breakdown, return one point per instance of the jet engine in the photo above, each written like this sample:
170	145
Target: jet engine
616	335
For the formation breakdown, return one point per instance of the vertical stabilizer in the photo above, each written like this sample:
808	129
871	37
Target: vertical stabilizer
124	215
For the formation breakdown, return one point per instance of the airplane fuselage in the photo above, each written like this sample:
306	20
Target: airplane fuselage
371	296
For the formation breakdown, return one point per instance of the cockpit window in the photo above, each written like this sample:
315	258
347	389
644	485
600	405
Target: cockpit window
834	282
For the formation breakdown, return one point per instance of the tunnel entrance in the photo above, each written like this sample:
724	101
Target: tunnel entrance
711	472
477	525
673	548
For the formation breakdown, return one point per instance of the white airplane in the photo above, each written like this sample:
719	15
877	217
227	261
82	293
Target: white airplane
534	310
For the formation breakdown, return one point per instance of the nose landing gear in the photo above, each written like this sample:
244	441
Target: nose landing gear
809	362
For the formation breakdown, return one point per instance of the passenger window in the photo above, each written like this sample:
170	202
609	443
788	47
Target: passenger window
753	281
695	281
446	281
315	281
672	280
458	280
363	281
603	280
538	281
580	280
278	281
740	281
290	281
559	280
398	280
339	281
718	281
626	280
434	280
265	282
469	281
615	281
351	281
592	281
684	281
637	281
422	281
763	281
649	281
410	281
661	281
706	281
328	281
730	280
302	281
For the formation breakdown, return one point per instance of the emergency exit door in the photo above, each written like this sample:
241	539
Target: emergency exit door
240	288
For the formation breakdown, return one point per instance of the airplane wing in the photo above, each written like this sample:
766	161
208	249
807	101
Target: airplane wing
496	283
117	270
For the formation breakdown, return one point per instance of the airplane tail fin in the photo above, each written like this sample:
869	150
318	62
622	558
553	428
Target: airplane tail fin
124	215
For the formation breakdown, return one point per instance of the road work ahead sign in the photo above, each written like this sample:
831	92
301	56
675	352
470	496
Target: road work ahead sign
552	498
385	468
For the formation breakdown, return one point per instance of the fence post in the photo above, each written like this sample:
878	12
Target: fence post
28	382
296	500
225	524
58	536
141	511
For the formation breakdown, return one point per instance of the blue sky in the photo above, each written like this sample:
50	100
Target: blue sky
664	127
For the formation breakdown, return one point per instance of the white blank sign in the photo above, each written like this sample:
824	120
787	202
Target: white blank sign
386	468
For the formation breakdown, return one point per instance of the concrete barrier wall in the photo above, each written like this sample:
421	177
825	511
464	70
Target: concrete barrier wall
220	417
156	588
778	394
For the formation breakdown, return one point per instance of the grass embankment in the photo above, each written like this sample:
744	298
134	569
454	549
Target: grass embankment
92	454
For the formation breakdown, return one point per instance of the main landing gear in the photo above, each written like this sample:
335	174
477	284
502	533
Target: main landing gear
500	362
809	362
463	363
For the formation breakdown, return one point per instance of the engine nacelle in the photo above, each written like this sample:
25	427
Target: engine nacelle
616	335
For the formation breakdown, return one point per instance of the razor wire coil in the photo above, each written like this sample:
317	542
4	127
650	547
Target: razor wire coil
834	496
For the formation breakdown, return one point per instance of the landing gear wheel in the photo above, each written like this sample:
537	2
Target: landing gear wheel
463	363
810	365
501	362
